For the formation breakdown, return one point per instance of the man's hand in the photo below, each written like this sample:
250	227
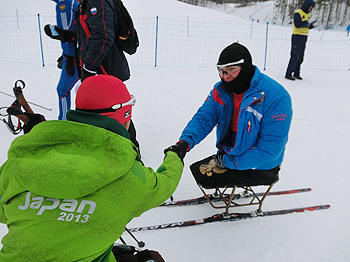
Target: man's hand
180	149
313	24
57	33
70	65
85	74
219	160
60	62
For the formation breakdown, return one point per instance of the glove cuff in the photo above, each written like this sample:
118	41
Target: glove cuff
89	71
184	144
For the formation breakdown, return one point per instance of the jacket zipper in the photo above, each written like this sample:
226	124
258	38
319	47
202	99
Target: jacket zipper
249	123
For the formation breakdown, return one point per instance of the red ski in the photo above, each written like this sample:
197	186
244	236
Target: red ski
202	200
230	217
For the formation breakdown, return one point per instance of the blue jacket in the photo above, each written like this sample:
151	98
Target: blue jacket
65	11
263	124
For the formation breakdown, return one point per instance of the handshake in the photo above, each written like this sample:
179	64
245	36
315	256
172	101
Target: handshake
180	148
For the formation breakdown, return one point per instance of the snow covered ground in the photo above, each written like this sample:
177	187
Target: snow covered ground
167	97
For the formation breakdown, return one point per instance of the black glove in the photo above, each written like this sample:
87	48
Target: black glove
219	160
180	149
60	62
85	74
70	68
313	24
57	33
34	119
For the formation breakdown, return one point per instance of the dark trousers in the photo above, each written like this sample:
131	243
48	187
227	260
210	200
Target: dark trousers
232	177
125	253
296	54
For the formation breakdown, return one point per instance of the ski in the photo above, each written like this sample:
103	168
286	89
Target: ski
202	200
230	217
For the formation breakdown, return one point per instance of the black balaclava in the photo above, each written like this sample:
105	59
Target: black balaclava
234	53
307	4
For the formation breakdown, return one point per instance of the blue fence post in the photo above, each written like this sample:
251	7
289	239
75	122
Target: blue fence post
156	51
41	42
267	33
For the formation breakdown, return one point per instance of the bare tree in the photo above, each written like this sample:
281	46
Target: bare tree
347	4
329	11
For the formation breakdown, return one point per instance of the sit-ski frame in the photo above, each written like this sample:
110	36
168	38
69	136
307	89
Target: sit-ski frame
220	193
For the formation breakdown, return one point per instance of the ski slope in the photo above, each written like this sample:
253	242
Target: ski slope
167	97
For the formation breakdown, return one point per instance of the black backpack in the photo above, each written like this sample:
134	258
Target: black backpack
126	35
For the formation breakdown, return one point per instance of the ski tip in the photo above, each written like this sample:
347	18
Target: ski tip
307	189
320	207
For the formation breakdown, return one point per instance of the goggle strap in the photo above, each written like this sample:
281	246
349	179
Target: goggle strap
231	64
114	108
98	111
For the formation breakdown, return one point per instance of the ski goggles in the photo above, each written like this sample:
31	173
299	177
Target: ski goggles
230	68
114	108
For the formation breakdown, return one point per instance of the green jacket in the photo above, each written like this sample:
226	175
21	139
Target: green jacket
68	189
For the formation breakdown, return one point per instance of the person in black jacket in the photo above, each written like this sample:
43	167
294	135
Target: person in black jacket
96	21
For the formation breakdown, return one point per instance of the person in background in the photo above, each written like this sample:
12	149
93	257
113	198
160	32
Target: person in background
65	11
301	26
252	114
68	188
99	53
95	32
348	30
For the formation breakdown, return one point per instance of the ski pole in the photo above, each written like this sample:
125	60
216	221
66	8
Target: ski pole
139	243
48	109
122	240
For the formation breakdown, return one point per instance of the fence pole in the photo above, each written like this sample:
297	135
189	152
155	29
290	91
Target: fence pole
17	18
41	42
251	28
156	51
267	33
188	26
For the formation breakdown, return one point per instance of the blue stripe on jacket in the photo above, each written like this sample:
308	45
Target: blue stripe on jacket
65	12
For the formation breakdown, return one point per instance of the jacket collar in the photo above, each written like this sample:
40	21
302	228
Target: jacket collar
99	121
